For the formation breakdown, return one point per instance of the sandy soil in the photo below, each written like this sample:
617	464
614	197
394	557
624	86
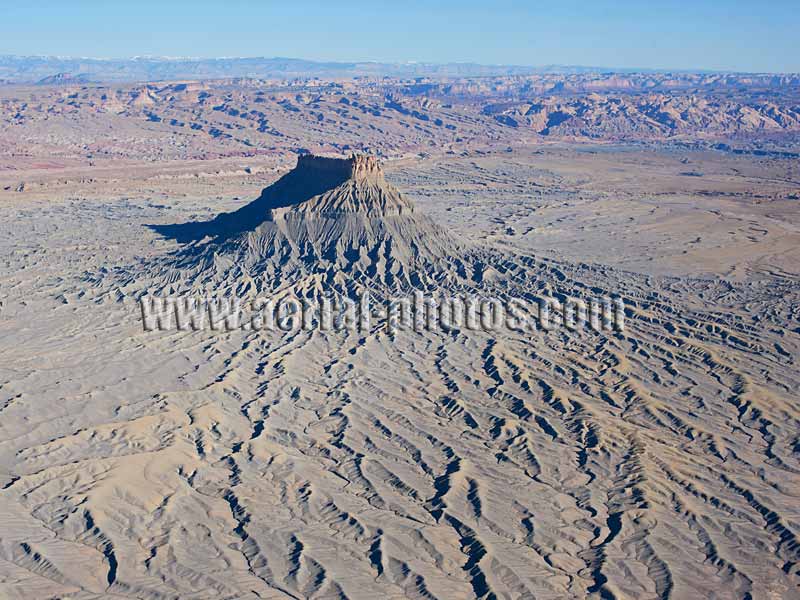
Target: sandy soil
658	462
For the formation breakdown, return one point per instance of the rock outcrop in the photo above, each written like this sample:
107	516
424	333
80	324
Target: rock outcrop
334	216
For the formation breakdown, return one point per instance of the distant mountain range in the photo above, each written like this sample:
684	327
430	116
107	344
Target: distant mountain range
56	69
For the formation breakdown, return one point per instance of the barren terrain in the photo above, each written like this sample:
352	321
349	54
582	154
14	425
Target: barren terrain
657	462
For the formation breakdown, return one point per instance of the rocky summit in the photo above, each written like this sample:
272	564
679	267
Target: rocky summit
334	216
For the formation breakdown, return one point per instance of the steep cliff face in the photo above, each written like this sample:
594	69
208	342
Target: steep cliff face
354	186
328	215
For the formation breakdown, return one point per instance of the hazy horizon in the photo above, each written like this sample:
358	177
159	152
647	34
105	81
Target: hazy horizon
680	36
320	61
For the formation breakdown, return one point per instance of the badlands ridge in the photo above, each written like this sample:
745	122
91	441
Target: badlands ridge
655	462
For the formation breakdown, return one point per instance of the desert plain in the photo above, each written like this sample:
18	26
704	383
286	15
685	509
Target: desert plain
660	461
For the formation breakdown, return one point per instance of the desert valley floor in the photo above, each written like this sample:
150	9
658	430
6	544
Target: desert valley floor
658	462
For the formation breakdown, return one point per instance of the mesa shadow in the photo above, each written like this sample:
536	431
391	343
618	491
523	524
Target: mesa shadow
295	187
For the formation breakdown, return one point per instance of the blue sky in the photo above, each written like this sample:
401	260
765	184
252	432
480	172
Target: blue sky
725	35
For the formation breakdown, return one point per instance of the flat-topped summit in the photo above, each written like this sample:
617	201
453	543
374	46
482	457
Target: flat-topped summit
329	186
320	186
327	215
357	166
